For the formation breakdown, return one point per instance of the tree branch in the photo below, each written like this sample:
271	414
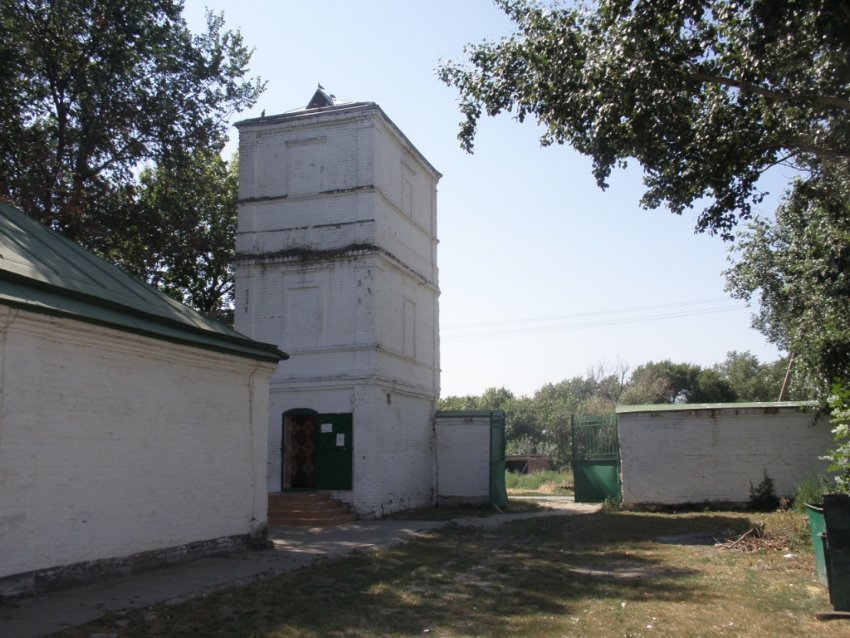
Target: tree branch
778	96
820	151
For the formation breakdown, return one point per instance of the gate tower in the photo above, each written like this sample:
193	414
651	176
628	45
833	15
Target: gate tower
336	262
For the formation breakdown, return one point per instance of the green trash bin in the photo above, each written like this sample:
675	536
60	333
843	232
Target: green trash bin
817	524
836	511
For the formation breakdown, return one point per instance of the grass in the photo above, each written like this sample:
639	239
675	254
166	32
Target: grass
540	483
606	574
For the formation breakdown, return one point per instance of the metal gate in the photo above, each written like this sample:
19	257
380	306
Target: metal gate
498	492
596	458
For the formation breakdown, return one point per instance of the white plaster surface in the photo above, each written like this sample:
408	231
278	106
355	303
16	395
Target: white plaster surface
463	458
336	264
717	455
113	444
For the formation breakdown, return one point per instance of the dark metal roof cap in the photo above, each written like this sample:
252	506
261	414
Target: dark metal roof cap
321	98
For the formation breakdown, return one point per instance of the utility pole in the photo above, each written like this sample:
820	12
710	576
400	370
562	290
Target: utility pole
783	393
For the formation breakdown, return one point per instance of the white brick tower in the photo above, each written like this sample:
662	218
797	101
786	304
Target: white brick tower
337	264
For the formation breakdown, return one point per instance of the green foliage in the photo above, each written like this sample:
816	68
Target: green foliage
752	380
532	426
611	504
91	93
706	95
763	496
189	211
810	491
540	424
668	382
839	457
798	267
525	445
535	480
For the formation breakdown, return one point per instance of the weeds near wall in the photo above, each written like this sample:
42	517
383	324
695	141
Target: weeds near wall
763	497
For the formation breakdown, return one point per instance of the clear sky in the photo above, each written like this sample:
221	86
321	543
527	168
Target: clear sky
542	274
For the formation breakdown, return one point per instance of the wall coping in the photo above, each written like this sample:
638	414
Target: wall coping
764	407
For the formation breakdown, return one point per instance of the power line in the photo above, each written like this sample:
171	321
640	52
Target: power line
584	325
594	313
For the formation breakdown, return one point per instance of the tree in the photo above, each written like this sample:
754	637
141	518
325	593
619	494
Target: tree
711	388
798	267
552	406
189	210
705	94
608	388
752	380
660	382
668	382
468	402
93	91
520	420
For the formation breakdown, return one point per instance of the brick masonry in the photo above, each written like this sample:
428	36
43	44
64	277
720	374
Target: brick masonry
112	444
337	264
715	455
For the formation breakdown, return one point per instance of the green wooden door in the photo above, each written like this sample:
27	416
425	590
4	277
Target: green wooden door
335	451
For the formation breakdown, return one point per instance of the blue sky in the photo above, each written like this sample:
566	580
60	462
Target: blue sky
542	274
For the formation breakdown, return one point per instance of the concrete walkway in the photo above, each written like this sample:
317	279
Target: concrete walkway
293	548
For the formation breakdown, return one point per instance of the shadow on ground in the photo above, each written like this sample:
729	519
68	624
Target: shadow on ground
461	580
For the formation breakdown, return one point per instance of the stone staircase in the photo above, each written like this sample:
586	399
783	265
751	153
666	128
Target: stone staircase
307	509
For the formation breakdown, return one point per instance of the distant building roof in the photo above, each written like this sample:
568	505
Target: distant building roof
42	271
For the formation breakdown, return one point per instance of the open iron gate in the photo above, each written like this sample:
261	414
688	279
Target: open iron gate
596	458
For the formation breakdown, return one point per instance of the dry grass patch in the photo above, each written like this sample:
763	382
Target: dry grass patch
606	574
546	483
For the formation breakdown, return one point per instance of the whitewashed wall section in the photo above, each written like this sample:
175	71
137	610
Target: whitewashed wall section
113	444
715	454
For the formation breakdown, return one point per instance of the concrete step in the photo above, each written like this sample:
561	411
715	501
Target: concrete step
305	521
300	497
302	507
311	509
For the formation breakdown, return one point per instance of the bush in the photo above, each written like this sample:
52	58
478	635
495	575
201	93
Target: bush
788	528
763	497
811	490
612	504
839	457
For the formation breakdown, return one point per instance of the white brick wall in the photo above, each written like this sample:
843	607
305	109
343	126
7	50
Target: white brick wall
393	461
463	459
113	444
393	451
715	455
358	324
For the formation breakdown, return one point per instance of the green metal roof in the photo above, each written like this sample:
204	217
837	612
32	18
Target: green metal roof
454	414
693	407
44	272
